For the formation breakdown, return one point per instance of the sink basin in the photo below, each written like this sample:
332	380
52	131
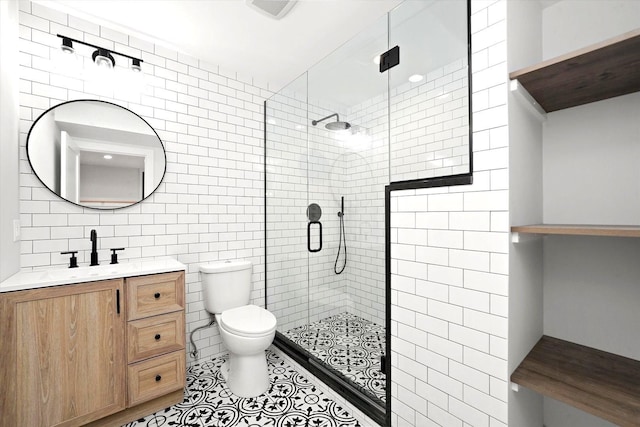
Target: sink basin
66	276
120	270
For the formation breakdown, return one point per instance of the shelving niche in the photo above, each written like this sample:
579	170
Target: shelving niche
601	71
579	230
600	383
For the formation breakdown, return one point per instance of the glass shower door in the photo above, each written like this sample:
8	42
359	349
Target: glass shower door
286	169
348	169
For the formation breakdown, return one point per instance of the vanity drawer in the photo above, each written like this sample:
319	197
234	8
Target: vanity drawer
156	377
154	336
155	294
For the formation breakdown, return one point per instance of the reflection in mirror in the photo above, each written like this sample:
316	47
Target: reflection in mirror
96	154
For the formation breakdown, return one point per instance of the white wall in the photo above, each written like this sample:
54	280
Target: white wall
110	183
591	156
9	205
210	204
450	304
569	25
524	42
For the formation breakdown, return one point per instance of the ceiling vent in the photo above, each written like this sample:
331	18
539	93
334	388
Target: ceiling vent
273	8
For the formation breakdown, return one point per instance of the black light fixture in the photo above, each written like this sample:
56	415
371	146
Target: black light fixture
101	56
67	45
135	65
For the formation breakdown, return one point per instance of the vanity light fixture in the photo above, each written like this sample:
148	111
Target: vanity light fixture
101	56
135	65
67	45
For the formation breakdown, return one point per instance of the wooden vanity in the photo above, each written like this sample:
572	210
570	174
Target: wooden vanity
104	352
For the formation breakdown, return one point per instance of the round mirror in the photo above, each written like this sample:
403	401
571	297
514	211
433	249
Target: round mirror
96	154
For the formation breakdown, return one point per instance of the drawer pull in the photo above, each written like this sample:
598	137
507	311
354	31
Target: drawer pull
156	295
158	377
157	337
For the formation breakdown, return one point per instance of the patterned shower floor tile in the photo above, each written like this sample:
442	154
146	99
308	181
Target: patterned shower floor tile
348	344
290	401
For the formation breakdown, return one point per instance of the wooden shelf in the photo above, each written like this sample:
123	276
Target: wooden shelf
579	230
597	382
601	71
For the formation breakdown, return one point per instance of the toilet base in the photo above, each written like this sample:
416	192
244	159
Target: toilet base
246	376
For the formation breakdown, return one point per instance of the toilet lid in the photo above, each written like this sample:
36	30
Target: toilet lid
248	320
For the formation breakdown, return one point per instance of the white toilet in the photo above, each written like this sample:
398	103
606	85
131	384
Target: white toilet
246	330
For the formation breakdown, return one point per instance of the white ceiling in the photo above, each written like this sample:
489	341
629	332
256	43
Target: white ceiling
233	35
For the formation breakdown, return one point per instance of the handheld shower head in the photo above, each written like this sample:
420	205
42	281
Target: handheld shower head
337	125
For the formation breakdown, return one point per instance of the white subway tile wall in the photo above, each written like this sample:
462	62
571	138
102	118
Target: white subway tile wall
366	158
449	267
210	204
286	176
430	125
304	165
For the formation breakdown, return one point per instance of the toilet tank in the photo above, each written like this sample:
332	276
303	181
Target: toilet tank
225	285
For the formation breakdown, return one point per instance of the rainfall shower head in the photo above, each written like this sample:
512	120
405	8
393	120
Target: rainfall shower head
337	125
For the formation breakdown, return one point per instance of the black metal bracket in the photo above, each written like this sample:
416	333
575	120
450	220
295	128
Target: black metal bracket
390	59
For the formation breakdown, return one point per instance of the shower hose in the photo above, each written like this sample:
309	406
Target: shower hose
343	239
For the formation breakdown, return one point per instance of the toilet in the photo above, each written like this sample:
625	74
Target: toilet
246	330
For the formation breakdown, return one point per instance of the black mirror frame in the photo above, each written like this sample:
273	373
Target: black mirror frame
164	150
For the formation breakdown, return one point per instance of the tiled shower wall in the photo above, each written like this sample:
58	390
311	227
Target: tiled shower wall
429	126
210	204
304	165
429	137
367	154
286	176
450	266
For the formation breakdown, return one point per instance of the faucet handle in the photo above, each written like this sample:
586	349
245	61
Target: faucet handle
114	255
73	261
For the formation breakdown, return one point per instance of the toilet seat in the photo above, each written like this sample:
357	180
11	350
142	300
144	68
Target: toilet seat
248	321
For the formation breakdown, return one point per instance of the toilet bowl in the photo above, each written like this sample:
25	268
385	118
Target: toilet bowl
247	330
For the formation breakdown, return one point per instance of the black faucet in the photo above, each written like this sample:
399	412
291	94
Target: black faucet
94	250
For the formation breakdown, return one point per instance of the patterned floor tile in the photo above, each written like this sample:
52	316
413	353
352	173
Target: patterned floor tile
290	401
348	344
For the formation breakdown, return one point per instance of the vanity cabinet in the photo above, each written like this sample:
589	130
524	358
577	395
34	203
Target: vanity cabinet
99	353
155	336
62	361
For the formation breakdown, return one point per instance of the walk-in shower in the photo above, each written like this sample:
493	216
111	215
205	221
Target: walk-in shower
379	128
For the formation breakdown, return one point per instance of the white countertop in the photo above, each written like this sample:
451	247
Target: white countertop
65	276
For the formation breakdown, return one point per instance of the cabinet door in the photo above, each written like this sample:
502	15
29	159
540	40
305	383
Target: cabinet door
62	361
